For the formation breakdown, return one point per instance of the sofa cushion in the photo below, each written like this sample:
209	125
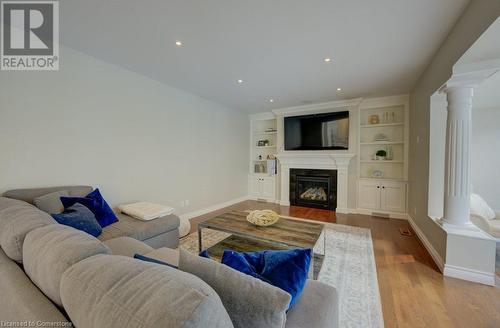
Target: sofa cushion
250	302
51	250
152	260
97	204
317	298
51	203
8	202
20	300
29	195
127	246
286	269
140	230
165	254
118	291
16	221
81	218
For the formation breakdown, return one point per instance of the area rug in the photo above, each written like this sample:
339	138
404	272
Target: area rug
348	265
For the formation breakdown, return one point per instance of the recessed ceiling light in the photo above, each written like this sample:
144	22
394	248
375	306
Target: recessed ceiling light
339	89
240	81
178	43
327	60
271	100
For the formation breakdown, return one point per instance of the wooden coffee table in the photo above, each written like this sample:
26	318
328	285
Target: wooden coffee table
284	234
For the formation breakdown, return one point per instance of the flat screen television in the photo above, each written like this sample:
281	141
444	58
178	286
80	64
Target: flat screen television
326	131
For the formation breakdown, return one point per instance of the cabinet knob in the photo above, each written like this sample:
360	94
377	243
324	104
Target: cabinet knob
378	187
383	187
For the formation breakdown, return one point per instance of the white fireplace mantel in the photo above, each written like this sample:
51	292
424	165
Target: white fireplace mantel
320	161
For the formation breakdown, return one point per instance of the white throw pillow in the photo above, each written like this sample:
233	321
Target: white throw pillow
479	207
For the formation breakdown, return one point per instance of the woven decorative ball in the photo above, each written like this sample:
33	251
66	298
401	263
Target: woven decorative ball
263	218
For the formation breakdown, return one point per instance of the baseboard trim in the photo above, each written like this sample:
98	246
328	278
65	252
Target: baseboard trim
432	251
470	275
345	210
284	203
212	208
390	215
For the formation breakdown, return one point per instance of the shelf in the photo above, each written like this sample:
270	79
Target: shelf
382	162
385	179
381	143
265	133
265	146
381	125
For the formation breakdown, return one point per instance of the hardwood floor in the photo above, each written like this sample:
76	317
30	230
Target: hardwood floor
413	291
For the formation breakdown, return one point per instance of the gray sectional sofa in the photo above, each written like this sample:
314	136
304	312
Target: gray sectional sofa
161	232
57	276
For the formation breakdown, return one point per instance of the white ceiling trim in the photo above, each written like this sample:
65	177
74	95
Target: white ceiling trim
317	108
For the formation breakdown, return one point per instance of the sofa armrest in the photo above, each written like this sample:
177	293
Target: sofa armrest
317	297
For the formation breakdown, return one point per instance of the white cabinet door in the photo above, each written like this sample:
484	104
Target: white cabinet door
255	185
393	196
268	188
369	194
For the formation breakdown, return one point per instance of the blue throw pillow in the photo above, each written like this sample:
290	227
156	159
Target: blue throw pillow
287	269
149	259
96	203
81	218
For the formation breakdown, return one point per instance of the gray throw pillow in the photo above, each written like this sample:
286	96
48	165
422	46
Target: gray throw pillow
250	302
51	203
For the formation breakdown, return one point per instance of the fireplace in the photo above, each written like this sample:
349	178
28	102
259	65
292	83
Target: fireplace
313	188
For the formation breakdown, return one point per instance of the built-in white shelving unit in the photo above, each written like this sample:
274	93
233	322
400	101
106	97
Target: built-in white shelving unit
263	140
382	183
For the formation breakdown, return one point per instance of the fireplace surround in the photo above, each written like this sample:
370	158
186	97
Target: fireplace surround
338	161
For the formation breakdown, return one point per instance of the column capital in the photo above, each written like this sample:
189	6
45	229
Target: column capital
465	80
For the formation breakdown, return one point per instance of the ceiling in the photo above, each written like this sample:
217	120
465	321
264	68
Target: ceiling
277	47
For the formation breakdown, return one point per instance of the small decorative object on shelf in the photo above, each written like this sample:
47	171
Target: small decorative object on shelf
389	153
271	166
381	137
393	116
374	119
377	174
260	168
381	155
263	143
263	218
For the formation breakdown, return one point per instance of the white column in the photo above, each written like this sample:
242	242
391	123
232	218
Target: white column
285	186
457	165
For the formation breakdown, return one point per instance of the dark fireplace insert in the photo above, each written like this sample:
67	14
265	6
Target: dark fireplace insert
313	188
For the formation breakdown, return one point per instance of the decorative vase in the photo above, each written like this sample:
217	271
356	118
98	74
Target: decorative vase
374	119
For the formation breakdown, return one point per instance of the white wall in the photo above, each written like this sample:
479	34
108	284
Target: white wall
437	147
485	171
476	18
137	139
